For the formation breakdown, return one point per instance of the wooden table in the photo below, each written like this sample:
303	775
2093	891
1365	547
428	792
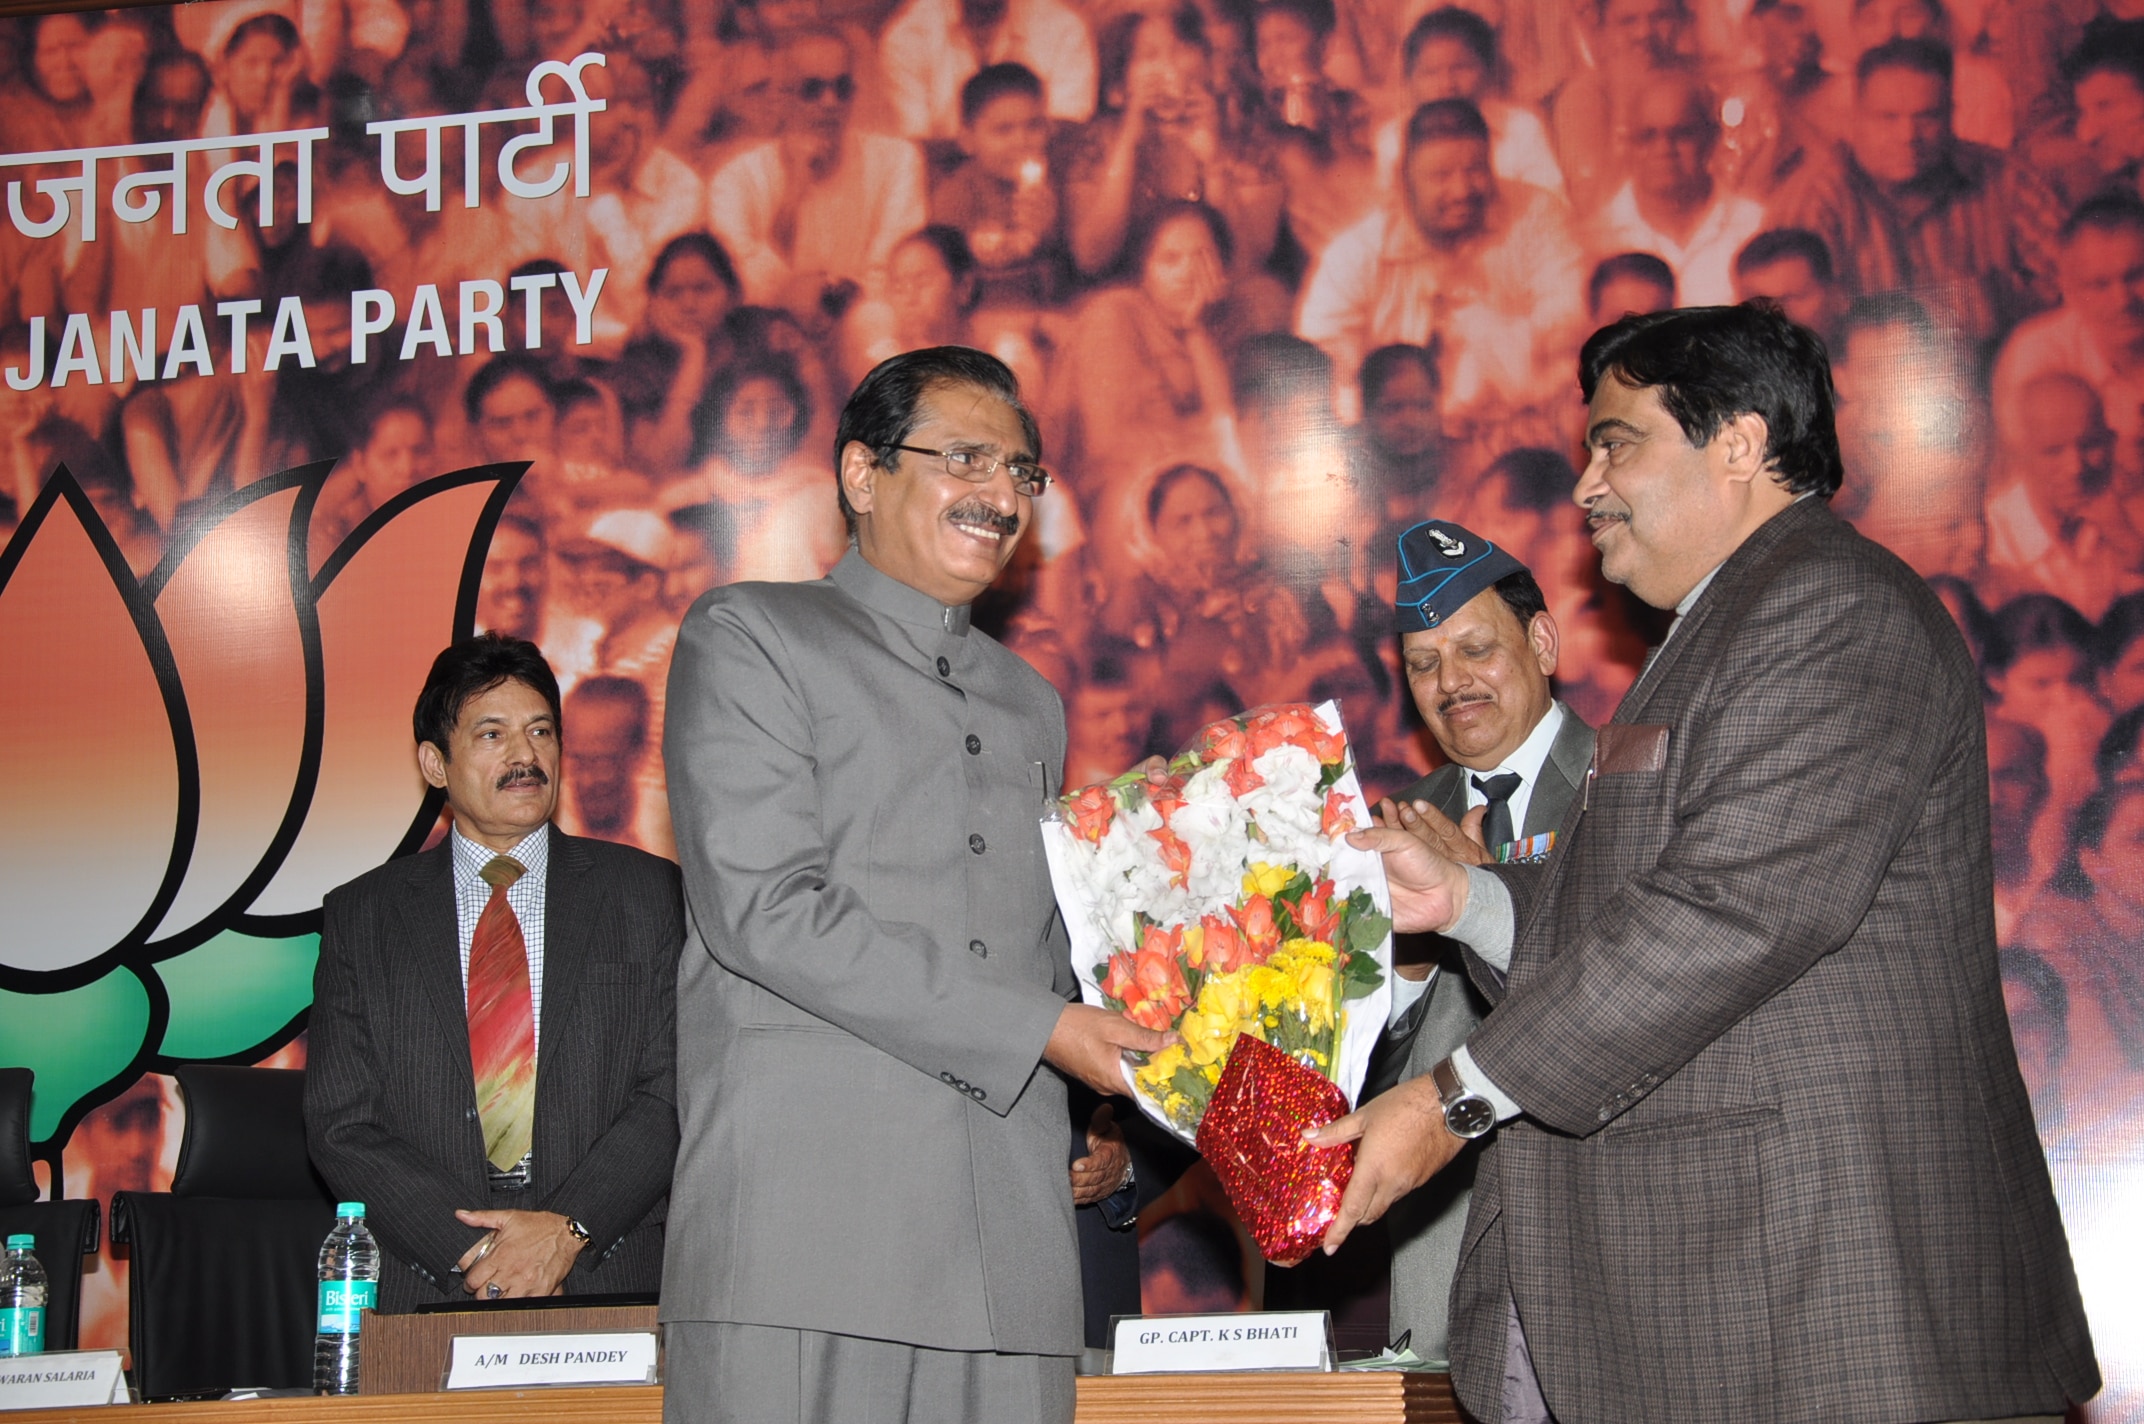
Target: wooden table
1383	1398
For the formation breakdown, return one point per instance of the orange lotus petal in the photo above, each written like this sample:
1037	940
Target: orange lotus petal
92	768
231	615
387	603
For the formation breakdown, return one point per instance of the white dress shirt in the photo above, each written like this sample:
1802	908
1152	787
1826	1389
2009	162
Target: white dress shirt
525	896
1527	759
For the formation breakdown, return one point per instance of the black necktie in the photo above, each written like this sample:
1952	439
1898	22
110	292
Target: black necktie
1496	826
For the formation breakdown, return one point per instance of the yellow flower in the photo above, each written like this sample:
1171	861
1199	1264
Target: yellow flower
1227	996
1315	950
1155	1075
1272	984
1213	1072
1314	991
1195	946
1207	1036
1266	880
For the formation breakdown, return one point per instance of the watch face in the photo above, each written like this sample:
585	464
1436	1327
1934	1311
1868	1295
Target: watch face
1471	1116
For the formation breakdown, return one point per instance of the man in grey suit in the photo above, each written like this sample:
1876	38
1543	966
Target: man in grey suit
1764	1150
1478	646
489	1066
873	1219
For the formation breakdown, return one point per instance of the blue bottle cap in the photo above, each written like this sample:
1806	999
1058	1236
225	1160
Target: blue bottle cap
21	1242
350	1209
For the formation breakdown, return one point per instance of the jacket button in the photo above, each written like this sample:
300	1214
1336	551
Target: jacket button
945	669
979	1094
471	1114
975	744
945	1077
977	947
975	843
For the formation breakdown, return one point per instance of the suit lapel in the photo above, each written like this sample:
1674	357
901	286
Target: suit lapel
430	929
1562	774
1448	793
569	913
1759	545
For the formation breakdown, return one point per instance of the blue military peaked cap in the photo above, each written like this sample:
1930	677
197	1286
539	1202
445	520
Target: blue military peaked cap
1442	566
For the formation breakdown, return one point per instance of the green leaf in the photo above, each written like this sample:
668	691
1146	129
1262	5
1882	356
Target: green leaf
75	1041
235	992
1366	931
1330	774
1360	977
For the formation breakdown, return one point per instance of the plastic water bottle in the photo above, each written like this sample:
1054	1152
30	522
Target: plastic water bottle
22	1300
349	1284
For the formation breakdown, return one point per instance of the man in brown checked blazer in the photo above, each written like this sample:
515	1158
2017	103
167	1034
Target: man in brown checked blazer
1762	1152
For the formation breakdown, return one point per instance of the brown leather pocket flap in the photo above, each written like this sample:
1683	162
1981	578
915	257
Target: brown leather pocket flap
1634	746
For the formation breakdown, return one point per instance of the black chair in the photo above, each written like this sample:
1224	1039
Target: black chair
223	1287
66	1231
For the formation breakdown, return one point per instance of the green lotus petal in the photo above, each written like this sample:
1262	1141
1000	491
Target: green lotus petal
234	992
75	1041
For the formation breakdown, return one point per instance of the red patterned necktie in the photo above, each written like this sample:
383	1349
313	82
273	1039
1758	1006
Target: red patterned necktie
502	1022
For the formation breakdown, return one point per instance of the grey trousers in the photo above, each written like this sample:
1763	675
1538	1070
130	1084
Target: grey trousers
716	1373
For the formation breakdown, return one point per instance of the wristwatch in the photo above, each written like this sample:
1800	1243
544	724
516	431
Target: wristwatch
578	1232
1466	1113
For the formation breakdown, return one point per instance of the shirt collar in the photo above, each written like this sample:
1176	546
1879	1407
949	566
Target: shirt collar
1526	759
532	850
857	577
1689	600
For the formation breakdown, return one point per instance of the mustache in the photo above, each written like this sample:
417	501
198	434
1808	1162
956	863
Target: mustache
975	511
1449	703
530	775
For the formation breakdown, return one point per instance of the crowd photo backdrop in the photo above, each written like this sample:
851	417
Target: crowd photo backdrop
335	329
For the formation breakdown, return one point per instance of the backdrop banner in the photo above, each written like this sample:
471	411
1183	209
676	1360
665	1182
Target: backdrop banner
336	329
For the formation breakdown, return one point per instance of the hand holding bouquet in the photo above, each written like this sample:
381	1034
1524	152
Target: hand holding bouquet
1223	902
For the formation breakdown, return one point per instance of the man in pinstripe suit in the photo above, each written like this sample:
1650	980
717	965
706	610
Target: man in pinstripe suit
1762	1149
549	1175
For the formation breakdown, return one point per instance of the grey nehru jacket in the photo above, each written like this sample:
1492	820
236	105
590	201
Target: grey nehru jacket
870	1144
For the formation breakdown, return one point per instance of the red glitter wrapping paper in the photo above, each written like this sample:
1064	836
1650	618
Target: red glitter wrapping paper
1286	1191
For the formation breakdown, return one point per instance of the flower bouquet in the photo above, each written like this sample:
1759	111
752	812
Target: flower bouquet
1224	903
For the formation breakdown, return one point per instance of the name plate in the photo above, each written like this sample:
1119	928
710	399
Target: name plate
595	1357
1198	1344
69	1379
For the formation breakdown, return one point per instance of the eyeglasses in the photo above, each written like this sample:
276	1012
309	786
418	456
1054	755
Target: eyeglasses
975	467
817	87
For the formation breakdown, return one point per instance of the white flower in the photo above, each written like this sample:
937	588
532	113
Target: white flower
1288	808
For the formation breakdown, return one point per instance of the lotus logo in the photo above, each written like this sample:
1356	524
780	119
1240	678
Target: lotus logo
193	758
